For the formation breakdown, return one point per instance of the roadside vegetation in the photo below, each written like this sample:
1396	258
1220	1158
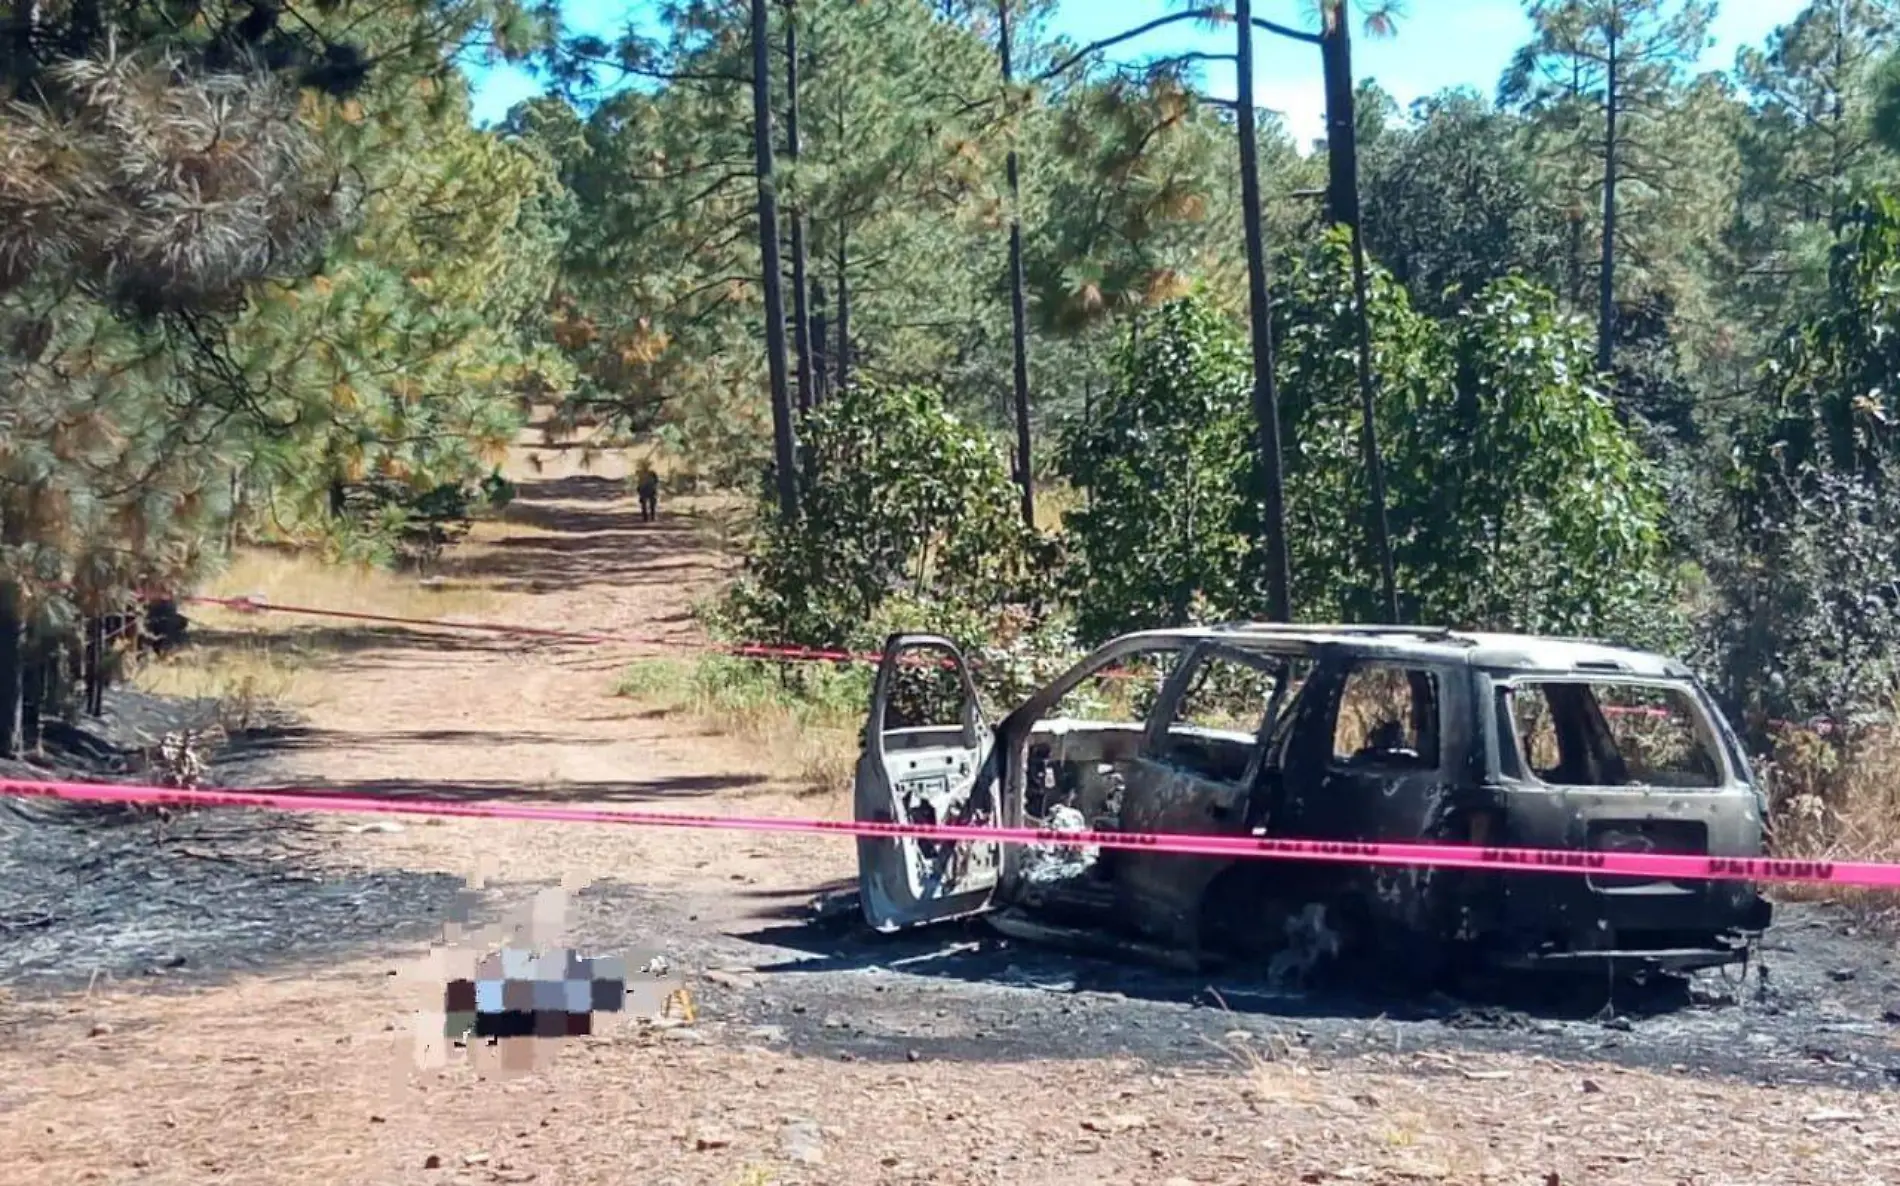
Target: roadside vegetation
810	720
1609	350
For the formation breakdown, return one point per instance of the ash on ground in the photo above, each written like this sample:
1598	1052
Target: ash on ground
89	890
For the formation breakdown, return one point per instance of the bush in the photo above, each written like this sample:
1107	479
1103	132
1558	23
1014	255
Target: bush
1515	498
907	513
1164	459
387	519
1804	619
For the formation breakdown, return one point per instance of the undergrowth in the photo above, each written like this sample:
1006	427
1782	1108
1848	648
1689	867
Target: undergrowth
810	718
246	678
1835	795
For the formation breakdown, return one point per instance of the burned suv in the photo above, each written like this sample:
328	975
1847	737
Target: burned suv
1327	733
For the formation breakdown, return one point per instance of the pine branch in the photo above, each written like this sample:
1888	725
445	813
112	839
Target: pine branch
1284	31
1095	47
658	73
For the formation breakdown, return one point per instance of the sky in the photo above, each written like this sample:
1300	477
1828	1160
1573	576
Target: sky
1438	44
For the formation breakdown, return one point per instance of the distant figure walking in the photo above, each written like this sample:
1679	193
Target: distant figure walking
649	489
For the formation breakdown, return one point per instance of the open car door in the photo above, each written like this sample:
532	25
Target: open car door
928	759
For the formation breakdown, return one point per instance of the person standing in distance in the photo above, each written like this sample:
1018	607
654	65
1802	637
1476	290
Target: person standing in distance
649	491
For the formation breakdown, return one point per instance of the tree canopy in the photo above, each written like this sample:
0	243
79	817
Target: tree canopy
261	275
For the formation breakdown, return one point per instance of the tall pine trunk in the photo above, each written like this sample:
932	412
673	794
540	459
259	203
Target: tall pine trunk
1266	396
1342	159
35	699
95	662
12	672
784	441
820	344
1018	285
801	309
1606	301
844	312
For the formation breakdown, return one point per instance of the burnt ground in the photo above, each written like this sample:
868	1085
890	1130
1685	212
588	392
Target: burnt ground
199	897
1826	1011
97	890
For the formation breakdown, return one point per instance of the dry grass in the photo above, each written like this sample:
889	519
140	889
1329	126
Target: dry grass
811	732
1054	502
256	660
1837	797
246	678
300	578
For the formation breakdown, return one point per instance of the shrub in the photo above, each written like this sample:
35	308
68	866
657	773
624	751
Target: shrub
904	505
1163	458
1515	498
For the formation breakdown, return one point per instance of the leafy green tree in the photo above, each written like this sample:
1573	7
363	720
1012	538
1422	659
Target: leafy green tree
1809	141
165	202
1164	459
1546	516
108	392
1452	203
402	365
1803	620
905	502
1543	516
1813	91
1886	113
660	300
1832	381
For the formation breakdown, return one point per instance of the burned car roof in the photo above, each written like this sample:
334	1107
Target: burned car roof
1510	652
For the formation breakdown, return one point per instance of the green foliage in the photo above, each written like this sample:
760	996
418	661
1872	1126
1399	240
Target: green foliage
1833	378
816	694
1321	422
906	506
1452	202
1128	193
244	269
1810	142
1805	619
1806	604
1162	458
1531	505
1886	113
1516	499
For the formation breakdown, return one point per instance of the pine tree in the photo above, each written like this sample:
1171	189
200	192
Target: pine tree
1600	76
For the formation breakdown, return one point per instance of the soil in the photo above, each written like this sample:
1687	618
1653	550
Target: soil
237	995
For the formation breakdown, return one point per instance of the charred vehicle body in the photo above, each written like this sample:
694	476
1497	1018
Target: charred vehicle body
1349	734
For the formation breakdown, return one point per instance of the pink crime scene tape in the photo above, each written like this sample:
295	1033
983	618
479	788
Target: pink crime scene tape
1674	866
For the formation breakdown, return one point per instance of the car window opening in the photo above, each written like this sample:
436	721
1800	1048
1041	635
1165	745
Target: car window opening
1388	718
1610	734
927	691
1231	701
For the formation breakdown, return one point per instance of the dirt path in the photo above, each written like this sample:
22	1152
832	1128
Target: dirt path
473	717
947	1058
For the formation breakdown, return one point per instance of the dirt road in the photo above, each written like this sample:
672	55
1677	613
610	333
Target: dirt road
256	1025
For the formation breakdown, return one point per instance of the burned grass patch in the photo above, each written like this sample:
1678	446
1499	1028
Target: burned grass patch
90	891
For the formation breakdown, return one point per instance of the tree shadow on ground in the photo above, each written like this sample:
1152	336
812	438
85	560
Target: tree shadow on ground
273	739
344	640
651	790
586	537
654	554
